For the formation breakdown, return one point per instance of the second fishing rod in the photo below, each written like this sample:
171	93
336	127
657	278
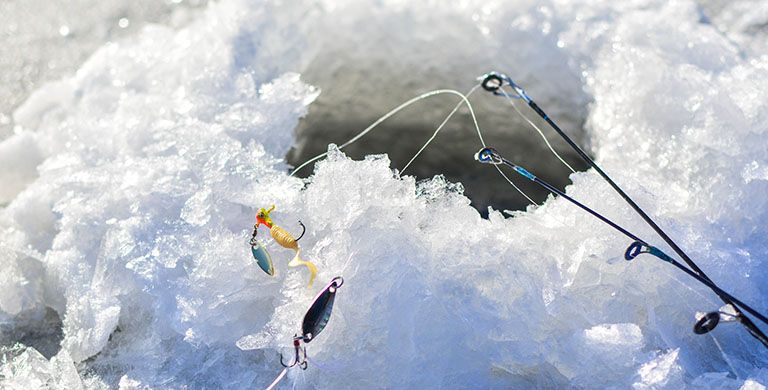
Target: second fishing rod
494	83
490	156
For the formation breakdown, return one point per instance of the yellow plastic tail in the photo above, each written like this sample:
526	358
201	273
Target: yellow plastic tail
298	261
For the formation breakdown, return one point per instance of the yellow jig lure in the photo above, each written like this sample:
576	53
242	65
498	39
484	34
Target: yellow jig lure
282	237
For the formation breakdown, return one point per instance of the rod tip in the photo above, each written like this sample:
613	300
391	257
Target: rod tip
488	156
492	81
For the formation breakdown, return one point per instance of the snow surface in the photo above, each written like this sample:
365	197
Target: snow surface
44	40
131	189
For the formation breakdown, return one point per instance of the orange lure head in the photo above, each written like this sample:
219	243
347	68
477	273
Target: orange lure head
262	217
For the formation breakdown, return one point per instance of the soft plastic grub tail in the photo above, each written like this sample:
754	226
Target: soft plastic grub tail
297	261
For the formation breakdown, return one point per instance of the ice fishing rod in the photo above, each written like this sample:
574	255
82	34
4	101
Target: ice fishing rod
703	325
494	81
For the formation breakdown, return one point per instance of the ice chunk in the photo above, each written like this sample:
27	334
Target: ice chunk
23	368
607	335
196	208
662	371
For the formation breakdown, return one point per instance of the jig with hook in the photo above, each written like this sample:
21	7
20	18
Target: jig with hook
284	239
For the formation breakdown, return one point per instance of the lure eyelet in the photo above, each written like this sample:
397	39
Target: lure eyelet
337	281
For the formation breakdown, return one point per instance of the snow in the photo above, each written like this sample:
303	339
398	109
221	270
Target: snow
131	188
42	41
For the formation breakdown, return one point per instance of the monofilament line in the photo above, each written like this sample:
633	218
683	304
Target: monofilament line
278	379
447	118
464	100
382	119
530	122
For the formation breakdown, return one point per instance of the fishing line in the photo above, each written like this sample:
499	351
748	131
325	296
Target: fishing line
541	133
391	113
725	357
712	335
464	100
690	288
447	118
278	379
504	175
477	128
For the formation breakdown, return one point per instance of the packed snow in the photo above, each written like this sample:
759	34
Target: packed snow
130	189
44	40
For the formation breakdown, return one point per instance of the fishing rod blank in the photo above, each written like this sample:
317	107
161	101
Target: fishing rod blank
705	324
494	81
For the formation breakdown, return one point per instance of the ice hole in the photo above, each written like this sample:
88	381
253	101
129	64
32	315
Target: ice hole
352	99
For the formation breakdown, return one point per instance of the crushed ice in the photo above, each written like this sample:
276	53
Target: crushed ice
132	185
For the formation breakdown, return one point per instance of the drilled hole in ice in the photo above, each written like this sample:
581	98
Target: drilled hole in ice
340	113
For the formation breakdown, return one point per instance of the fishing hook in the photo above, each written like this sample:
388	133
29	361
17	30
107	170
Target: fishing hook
315	320
299	351
303	230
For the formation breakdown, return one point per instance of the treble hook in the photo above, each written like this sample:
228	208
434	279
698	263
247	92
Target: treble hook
299	350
